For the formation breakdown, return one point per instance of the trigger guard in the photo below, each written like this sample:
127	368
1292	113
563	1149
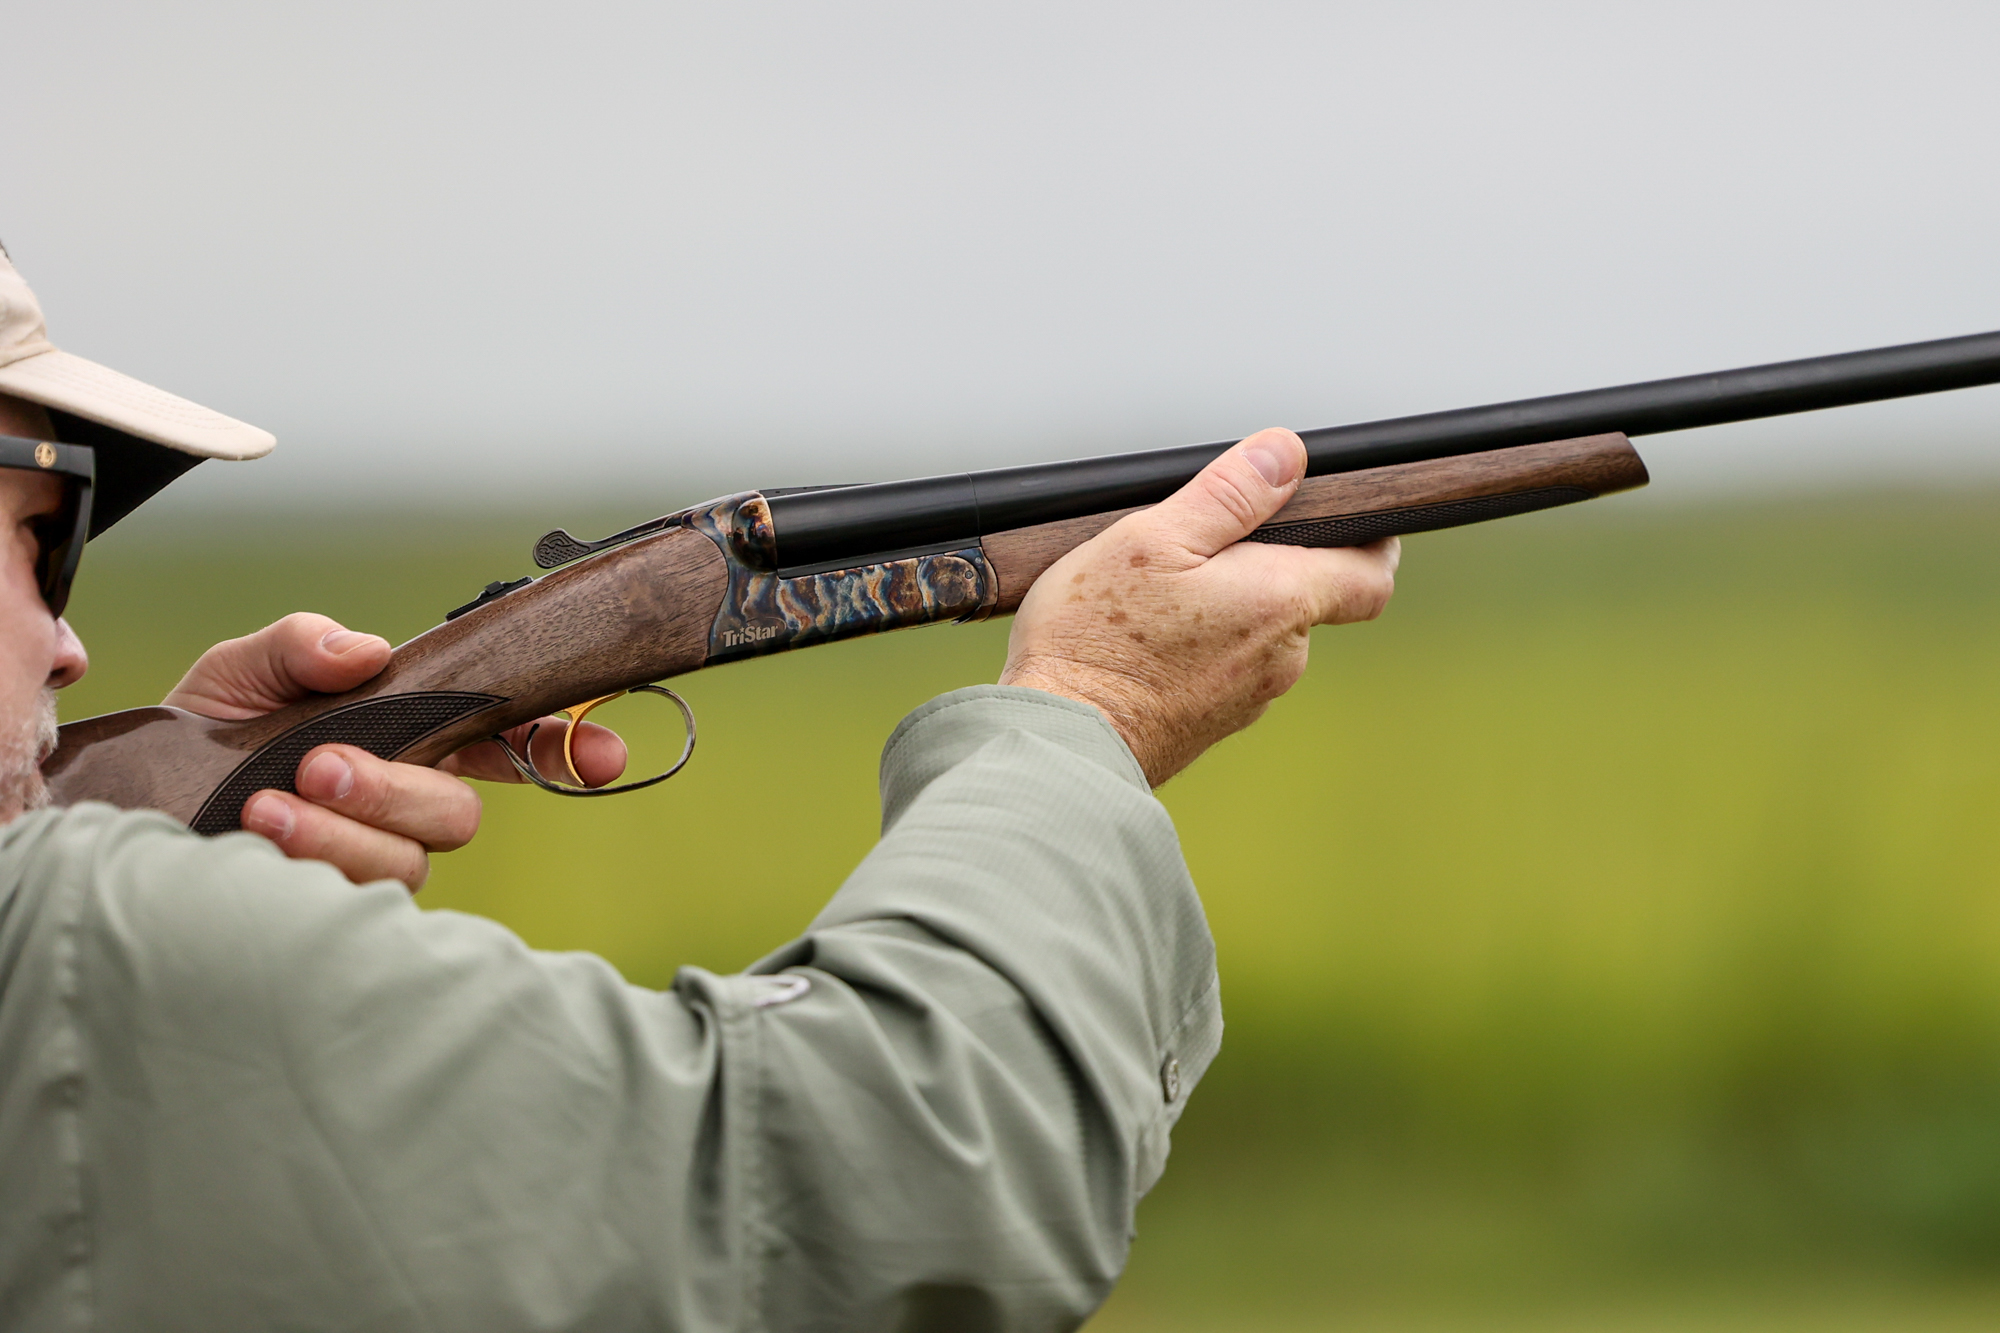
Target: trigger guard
527	769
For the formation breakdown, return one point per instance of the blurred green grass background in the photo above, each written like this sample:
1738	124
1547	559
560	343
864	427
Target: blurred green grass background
1608	934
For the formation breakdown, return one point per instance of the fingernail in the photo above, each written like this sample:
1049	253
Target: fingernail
342	641
327	778
1275	463
269	816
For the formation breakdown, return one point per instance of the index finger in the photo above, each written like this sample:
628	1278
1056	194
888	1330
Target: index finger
600	754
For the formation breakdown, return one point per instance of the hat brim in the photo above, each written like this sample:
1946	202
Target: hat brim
96	393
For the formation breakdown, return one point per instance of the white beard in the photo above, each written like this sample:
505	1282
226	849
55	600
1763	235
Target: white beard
23	746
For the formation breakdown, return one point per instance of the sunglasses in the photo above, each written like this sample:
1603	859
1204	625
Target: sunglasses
59	536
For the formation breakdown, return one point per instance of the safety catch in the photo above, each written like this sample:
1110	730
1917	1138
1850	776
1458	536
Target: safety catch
493	592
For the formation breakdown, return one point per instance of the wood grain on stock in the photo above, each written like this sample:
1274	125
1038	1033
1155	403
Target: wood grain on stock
1597	464
635	614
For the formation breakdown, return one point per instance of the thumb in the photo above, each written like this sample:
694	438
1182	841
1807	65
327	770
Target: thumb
1232	495
279	664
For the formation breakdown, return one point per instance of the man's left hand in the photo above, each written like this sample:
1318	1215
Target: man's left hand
370	818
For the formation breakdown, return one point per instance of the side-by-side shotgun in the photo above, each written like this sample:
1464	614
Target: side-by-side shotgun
767	571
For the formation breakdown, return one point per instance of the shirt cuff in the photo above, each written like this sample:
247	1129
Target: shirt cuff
950	728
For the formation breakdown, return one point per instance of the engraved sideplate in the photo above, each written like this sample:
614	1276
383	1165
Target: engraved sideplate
762	613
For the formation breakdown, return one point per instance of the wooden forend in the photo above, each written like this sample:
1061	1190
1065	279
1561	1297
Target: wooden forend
1593	464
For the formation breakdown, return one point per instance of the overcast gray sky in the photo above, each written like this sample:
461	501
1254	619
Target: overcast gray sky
637	248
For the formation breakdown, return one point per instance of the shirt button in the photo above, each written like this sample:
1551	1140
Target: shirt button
1170	1079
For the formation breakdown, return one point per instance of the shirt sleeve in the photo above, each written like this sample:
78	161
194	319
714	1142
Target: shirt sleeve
296	1103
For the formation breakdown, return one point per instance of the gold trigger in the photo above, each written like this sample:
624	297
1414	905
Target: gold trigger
576	713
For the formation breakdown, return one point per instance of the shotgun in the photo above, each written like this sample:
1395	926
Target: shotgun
768	571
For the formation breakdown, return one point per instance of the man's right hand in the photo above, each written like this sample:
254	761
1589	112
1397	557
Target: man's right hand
370	818
1176	633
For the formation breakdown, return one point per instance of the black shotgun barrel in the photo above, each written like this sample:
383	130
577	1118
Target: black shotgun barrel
816	528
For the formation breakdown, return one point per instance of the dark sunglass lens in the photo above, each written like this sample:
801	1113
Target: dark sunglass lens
56	536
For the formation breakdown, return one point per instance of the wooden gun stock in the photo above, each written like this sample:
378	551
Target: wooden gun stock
708	589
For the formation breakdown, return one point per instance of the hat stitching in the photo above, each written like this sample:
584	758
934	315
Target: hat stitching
128	392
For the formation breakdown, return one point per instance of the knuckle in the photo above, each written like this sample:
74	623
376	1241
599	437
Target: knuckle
416	867
374	800
372	796
1348	605
1132	540
435	808
300	627
1307	607
226	650
1280	595
366	854
1355	587
1375	592
315	834
224	665
1278	677
1229	490
458	819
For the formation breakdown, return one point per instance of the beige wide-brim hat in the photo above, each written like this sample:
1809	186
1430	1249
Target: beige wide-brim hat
144	437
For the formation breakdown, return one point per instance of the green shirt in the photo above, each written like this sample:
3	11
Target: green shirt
237	1092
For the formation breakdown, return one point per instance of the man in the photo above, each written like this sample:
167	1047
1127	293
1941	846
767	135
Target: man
237	1091
373	819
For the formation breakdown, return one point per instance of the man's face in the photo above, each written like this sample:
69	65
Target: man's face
38	653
